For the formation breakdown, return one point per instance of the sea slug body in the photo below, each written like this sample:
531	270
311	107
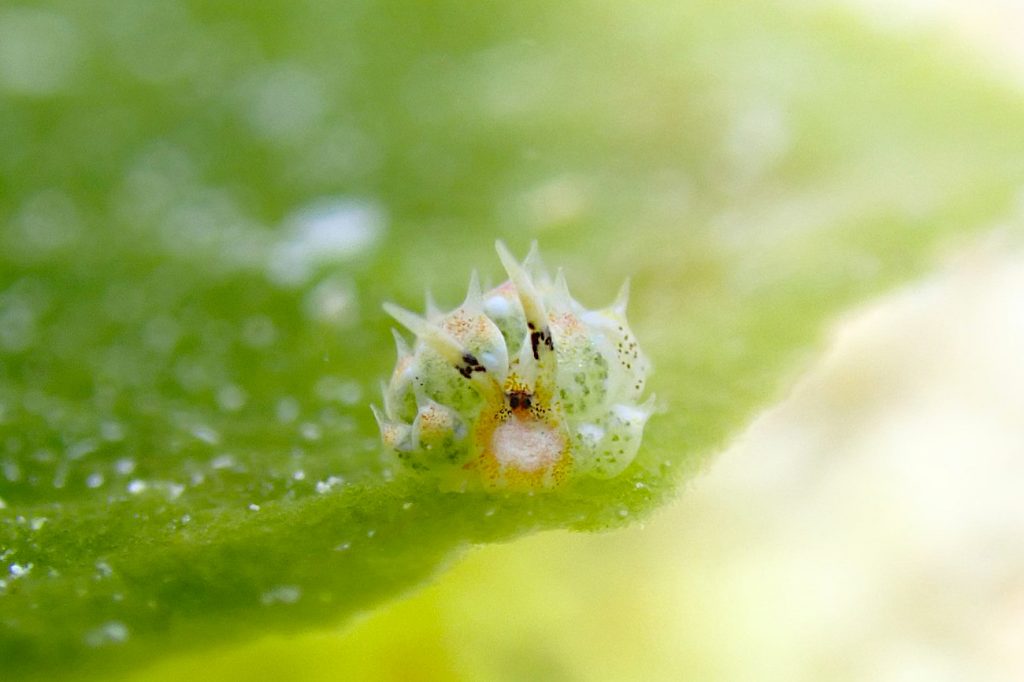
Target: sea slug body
518	388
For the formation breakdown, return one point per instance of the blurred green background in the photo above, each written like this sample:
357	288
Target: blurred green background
203	205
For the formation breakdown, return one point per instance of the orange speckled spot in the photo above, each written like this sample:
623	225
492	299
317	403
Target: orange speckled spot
457	324
516	450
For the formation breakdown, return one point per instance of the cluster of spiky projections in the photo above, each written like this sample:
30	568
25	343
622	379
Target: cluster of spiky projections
520	387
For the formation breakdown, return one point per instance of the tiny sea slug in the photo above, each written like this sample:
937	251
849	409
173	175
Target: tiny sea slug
518	388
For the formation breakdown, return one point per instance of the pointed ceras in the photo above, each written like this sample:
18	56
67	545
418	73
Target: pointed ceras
518	388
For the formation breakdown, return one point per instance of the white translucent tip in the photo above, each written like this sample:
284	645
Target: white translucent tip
474	295
433	312
378	416
400	344
528	297
408	319
429	333
622	298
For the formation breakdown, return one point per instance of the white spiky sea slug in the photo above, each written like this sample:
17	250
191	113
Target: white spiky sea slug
518	388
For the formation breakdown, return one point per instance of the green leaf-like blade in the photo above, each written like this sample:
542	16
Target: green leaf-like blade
186	451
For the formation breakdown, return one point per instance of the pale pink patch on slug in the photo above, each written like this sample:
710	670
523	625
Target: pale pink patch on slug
527	445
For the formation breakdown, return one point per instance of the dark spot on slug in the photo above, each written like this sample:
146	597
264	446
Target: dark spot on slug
539	337
520	400
470	365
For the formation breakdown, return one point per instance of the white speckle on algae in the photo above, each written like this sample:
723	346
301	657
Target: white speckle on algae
282	594
17	325
223	461
113	632
231	398
3	505
258	332
12	472
254	507
124	466
329	230
161	334
111	431
81	449
94	480
335	389
206	434
334	301
42	51
326	486
310	431
44	456
287	410
137	486
19	570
